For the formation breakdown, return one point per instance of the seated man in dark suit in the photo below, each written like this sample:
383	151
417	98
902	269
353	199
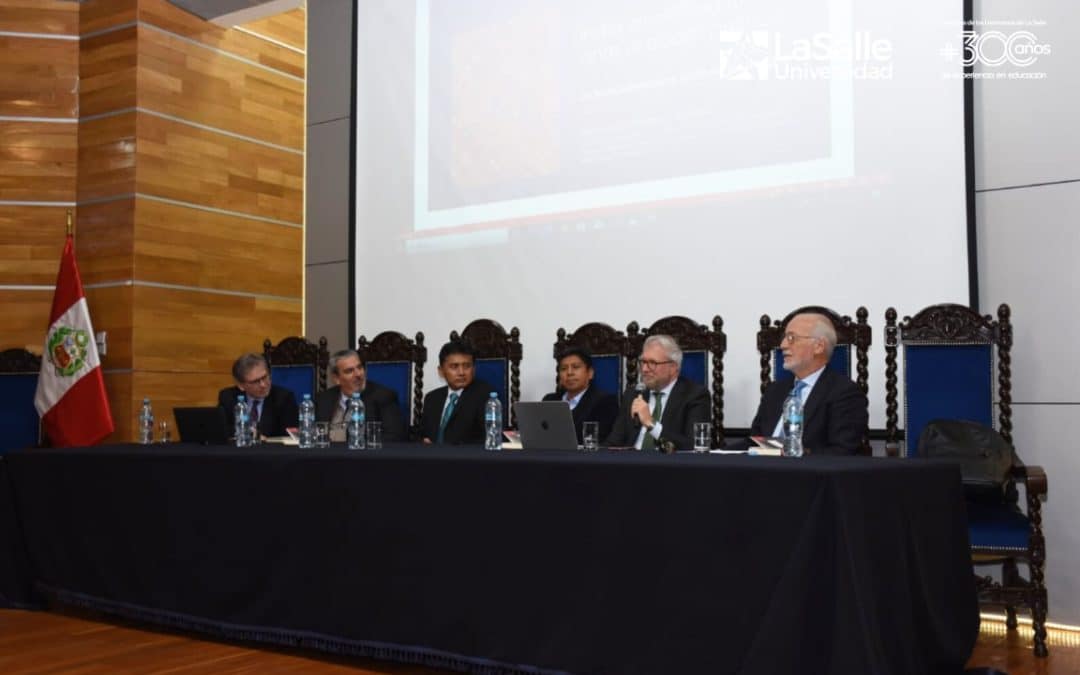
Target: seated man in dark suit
834	408
271	408
454	414
380	403
587	403
662	417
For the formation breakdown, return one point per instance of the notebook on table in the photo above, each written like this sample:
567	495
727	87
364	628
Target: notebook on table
546	425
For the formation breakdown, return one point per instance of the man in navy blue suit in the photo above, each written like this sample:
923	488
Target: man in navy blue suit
587	403
834	408
454	414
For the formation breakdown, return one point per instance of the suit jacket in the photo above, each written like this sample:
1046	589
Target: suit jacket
466	423
834	418
594	406
689	403
279	410
380	404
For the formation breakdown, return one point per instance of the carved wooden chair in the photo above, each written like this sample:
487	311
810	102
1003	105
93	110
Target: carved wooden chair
498	360
700	344
19	419
609	348
298	365
395	361
949	367
850	336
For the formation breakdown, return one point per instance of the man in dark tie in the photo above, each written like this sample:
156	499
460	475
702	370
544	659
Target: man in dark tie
270	407
661	417
834	408
587	403
380	403
454	414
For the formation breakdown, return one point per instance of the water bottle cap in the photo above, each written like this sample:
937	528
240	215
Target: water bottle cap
355	395
240	397
307	397
145	401
493	395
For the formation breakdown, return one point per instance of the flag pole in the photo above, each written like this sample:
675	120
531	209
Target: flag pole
70	227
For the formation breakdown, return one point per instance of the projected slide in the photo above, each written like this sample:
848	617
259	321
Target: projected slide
547	163
595	109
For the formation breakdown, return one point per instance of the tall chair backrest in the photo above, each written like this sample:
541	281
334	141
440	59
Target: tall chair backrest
395	361
949	363
498	360
19	420
298	365
703	358
851	336
609	349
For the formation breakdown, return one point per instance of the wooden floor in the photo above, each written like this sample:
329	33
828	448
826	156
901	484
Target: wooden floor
48	642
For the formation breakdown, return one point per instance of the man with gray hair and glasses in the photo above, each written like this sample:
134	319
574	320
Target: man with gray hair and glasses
660	413
271	408
834	408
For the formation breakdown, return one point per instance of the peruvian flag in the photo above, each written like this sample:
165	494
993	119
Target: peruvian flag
71	390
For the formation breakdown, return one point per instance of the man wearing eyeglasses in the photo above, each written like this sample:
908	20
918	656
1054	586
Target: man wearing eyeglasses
834	408
273	408
662	416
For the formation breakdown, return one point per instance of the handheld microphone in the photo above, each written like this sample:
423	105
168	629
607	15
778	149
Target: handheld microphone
640	390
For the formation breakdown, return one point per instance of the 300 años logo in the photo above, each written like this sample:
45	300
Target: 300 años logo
994	48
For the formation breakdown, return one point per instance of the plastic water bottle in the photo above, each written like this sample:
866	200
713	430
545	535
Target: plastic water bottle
146	423
354	422
493	425
793	426
307	422
241	424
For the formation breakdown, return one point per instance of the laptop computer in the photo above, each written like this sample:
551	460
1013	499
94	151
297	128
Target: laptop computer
204	425
546	425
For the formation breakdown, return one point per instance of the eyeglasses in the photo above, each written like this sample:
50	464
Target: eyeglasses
654	364
792	337
259	380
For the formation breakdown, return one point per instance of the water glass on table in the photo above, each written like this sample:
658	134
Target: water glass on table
322	434
374	434
702	436
590	436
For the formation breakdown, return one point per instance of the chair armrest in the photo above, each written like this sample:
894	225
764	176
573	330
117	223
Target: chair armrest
1033	477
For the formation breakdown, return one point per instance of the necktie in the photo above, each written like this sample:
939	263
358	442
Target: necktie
446	416
255	405
649	442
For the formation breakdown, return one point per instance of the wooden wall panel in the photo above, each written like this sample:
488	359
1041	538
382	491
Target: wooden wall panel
118	387
200	85
26	316
105	240
54	17
39	77
107	71
191	247
31	240
111	311
37	161
288	27
168	17
97	15
107	157
192	331
197	166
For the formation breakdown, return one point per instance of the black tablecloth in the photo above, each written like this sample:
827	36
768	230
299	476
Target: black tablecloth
613	562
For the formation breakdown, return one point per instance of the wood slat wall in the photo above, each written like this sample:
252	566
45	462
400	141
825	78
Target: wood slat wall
187	164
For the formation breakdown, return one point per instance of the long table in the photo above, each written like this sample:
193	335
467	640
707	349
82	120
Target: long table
531	562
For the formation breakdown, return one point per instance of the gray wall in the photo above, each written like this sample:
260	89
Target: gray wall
1027	151
329	121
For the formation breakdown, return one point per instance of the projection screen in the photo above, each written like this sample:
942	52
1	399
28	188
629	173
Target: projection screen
546	163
